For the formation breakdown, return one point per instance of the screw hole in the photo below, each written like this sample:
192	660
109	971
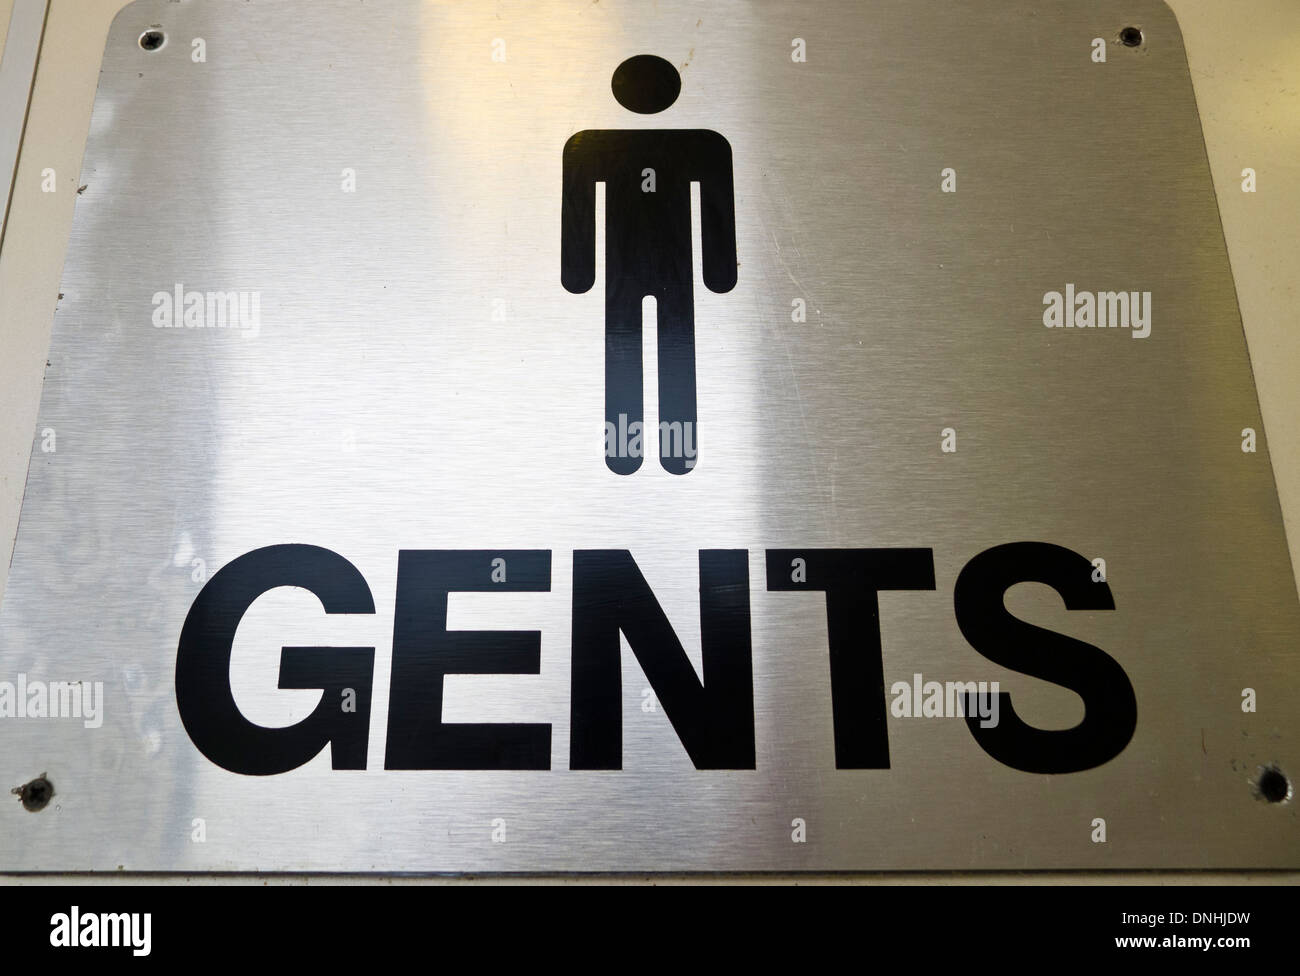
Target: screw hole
1273	785
152	40
1130	37
35	795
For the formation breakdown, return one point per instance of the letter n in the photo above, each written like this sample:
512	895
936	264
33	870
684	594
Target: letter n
714	718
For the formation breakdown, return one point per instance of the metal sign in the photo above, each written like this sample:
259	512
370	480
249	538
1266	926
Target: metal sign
610	436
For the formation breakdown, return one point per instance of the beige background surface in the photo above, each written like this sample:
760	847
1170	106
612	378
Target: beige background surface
1245	63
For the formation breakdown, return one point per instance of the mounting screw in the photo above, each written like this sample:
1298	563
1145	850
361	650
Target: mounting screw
1131	37
152	39
1272	785
35	796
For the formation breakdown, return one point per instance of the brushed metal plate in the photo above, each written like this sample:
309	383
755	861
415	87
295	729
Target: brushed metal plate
382	185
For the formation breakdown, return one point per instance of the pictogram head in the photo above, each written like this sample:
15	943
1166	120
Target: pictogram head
646	84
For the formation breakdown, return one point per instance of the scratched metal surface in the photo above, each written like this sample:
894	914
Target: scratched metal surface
382	405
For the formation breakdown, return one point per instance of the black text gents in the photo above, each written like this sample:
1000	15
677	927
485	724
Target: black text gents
713	717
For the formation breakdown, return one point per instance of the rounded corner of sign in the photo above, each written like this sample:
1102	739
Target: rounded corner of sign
1156	13
132	15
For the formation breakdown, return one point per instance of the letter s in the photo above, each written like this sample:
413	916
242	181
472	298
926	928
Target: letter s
1110	708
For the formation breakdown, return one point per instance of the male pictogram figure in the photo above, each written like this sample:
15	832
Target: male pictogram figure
647	175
